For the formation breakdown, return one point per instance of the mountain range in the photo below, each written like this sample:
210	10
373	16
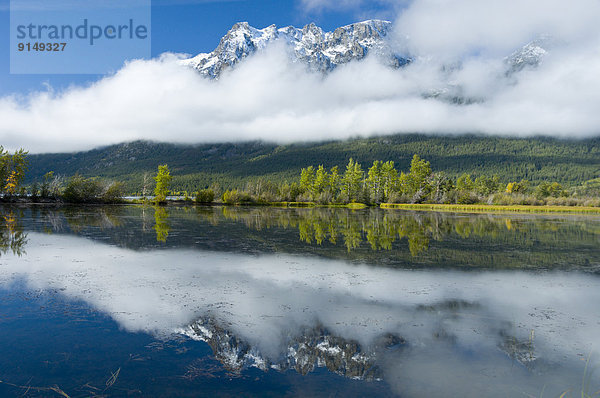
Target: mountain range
569	162
320	51
323	52
233	164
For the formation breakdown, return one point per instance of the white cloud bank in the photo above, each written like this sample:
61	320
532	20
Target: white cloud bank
268	98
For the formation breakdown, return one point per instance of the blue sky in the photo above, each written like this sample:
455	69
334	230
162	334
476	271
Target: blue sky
194	26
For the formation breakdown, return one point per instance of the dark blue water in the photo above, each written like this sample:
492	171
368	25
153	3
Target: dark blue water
48	341
131	301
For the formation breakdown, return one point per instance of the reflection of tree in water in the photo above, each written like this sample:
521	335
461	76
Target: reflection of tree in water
352	235
161	224
12	236
381	229
460	240
53	221
418	244
79	218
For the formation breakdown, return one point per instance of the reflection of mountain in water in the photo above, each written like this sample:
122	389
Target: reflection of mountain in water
474	326
315	347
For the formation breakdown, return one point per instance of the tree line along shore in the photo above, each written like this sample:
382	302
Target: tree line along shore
419	187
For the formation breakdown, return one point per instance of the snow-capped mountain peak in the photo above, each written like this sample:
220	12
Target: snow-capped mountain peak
530	55
318	50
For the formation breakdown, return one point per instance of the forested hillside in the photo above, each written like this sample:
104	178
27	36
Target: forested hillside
569	162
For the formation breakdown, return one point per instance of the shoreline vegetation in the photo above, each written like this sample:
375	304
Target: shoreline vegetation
491	208
449	208
381	185
232	165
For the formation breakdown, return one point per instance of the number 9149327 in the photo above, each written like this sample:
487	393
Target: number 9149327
50	47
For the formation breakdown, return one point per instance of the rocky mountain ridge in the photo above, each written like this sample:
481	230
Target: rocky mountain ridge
320	51
313	348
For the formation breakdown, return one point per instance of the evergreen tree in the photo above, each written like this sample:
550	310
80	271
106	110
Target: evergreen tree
465	183
546	189
486	186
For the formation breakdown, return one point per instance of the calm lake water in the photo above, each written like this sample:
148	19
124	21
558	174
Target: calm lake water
134	301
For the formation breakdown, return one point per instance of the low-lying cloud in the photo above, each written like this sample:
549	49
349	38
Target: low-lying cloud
494	28
456	84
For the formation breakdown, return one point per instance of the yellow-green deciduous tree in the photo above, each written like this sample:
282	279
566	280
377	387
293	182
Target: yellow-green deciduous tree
12	170
163	183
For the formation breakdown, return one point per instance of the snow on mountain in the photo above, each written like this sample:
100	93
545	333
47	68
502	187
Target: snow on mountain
530	55
319	51
322	52
314	348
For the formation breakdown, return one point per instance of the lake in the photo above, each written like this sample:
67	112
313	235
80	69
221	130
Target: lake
230	301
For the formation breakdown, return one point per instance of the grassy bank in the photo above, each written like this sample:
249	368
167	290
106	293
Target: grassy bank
313	204
492	208
354	206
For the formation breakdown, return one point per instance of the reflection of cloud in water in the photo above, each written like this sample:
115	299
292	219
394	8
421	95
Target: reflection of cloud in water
455	324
